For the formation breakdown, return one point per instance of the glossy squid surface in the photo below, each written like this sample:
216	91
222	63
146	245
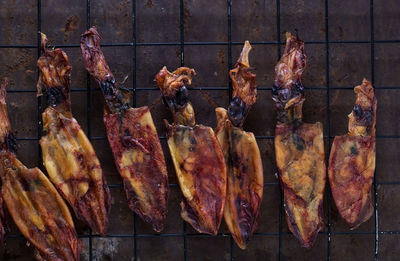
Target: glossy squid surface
68	155
133	140
242	156
352	160
33	202
299	148
197	156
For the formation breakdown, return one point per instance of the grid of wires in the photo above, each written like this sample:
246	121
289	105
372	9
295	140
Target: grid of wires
229	43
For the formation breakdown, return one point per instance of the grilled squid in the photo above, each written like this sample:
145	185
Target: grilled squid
243	161
352	160
197	156
68	155
33	202
133	140
299	147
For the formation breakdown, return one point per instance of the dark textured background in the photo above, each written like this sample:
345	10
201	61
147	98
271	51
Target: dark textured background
345	41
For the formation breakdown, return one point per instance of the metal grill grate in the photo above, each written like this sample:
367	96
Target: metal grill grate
229	44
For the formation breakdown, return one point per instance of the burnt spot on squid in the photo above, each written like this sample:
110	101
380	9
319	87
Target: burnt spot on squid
237	111
181	96
191	213
296	124
11	142
237	162
297	89
25	185
363	116
127	142
193	140
246	219
238	202
298	141
178	101
80	159
283	95
353	151
55	96
115	97
182	165
107	87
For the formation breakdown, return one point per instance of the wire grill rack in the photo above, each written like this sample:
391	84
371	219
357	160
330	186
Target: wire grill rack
377	232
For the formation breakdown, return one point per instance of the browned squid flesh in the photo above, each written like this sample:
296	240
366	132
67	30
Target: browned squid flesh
352	160
245	179
197	156
133	140
68	155
299	147
33	202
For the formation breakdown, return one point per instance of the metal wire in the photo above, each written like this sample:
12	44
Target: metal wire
30	46
223	88
88	100
182	53
39	101
134	97
229	16
278	46
229	44
328	121
371	10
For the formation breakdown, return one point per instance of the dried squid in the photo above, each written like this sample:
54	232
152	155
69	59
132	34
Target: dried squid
33	202
352	160
244	167
67	153
197	156
299	147
133	140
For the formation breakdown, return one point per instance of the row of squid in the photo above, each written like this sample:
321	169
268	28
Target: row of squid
219	171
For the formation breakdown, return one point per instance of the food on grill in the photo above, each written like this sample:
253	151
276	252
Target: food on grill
33	202
133	140
68	155
243	161
299	147
352	160
196	154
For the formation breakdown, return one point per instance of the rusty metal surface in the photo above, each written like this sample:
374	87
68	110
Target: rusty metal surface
349	60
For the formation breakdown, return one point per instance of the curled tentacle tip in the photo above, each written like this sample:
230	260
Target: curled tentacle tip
91	30
43	37
362	118
366	82
90	39
288	35
366	88
169	82
244	55
244	87
43	41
